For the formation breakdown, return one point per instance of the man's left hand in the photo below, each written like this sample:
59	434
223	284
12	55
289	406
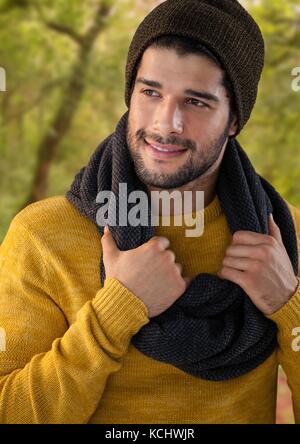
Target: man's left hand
260	265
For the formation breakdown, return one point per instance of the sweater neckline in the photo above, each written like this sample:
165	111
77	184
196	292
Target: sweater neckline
211	212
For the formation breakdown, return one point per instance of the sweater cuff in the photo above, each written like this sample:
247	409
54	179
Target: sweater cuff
119	311
288	316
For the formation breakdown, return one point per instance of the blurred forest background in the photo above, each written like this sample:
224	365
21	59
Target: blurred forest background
65	63
65	70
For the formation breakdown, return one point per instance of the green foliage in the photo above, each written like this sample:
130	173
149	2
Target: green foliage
274	125
38	58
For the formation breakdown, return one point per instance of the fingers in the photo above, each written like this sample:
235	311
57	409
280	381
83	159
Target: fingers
274	229
170	254
161	241
232	275
187	279
238	263
249	251
179	266
108	243
251	238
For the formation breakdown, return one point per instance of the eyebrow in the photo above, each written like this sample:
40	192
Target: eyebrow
190	92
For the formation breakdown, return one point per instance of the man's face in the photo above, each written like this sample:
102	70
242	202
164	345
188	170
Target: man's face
168	114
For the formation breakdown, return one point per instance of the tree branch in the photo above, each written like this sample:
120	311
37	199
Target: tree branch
103	11
62	29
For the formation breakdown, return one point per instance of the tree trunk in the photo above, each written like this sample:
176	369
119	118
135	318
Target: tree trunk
63	118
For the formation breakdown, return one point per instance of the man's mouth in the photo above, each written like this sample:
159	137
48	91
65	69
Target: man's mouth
163	151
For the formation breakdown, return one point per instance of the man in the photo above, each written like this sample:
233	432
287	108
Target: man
169	328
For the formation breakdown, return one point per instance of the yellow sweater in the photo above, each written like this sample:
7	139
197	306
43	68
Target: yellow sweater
65	350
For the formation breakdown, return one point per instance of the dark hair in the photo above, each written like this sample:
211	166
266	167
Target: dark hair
186	45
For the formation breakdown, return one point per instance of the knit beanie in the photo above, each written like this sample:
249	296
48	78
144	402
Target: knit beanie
224	27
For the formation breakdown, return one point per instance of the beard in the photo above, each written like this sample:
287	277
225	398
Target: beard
195	166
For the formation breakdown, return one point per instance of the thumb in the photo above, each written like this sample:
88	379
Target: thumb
274	229
109	245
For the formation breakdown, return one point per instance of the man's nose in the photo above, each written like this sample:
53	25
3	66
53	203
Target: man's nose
168	118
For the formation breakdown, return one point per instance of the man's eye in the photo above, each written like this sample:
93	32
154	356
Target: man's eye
146	91
199	104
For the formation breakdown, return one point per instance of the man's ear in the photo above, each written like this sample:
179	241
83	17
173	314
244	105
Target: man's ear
233	126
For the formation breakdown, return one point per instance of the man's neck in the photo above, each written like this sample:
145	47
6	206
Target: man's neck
208	186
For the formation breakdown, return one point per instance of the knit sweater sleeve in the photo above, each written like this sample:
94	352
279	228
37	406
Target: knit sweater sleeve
287	319
52	372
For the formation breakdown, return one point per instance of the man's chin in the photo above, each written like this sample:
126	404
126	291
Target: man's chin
168	183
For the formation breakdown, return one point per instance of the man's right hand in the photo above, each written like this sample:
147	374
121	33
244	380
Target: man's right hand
149	271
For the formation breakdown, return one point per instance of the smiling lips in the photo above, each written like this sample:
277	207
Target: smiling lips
164	150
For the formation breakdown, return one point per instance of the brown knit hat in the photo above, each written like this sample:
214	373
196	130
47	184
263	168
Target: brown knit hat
224	26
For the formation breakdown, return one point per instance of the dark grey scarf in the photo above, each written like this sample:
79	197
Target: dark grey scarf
213	331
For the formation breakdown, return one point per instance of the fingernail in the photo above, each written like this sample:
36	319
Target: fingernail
106	229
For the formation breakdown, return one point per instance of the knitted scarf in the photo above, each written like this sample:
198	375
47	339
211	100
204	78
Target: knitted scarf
213	331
